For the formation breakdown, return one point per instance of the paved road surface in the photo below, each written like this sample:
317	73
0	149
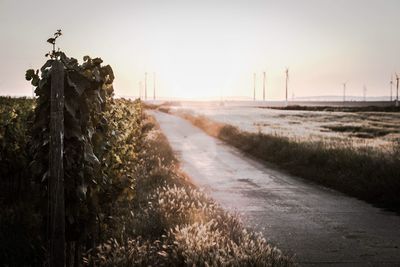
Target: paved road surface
320	226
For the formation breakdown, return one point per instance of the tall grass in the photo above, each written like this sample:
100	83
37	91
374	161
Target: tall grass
391	108
174	224
366	173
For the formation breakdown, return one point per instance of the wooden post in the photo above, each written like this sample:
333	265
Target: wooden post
56	179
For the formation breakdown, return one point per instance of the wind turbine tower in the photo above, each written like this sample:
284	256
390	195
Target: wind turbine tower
391	88
254	86
344	91
365	93
287	83
154	86
264	85
145	86
397	90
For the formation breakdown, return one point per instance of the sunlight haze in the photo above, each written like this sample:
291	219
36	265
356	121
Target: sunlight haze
210	49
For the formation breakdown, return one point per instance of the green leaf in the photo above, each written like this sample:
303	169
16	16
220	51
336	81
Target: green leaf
29	74
97	61
78	82
108	72
46	65
35	80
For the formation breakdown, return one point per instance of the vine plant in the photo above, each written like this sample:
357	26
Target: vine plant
88	94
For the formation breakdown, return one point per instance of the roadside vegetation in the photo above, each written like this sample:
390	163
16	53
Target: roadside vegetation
172	223
363	172
148	213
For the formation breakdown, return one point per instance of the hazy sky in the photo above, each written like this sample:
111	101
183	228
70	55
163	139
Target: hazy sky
211	48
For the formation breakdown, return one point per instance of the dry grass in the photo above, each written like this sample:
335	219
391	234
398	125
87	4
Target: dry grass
363	131
366	173
174	224
341	109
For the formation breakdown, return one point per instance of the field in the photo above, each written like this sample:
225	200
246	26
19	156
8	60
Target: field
367	129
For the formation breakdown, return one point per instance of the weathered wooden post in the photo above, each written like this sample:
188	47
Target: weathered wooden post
56	157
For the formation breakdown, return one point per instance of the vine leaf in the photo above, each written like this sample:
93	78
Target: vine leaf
33	76
29	74
51	40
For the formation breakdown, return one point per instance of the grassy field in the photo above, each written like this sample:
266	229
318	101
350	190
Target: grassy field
365	172
365	108
363	129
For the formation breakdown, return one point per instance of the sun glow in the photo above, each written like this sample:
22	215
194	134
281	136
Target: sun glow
198	70
210	49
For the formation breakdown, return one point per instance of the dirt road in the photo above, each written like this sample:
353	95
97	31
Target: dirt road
320	226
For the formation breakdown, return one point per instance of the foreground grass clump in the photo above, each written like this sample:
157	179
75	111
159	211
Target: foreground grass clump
369	174
174	224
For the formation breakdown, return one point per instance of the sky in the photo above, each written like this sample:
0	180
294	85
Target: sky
210	49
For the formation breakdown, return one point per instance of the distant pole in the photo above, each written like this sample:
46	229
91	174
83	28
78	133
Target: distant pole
154	86
145	85
140	90
287	82
365	93
254	86
397	90
264	86
391	88
344	92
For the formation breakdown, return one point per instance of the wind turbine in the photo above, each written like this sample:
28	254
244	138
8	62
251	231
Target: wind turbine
344	91
287	82
365	93
254	86
145	86
154	86
391	88
397	90
264	86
